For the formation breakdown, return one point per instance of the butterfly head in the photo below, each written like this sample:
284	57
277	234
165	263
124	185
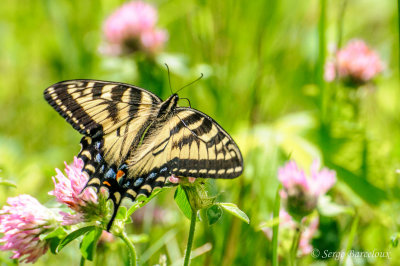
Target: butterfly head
168	106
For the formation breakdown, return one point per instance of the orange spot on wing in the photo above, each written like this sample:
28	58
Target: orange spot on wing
106	183
120	174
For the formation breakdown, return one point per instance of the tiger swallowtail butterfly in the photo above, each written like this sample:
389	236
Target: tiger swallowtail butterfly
133	141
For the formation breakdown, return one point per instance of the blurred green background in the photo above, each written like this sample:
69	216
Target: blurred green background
263	66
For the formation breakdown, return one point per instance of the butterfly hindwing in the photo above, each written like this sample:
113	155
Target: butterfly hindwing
201	148
188	144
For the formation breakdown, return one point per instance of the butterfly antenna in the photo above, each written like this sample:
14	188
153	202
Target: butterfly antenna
199	78
169	78
187	100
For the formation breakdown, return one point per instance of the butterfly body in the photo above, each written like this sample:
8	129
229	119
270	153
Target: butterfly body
133	141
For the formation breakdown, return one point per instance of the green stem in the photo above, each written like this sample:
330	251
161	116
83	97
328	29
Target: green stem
82	262
275	228
398	33
340	24
321	61
190	238
294	247
131	247
352	234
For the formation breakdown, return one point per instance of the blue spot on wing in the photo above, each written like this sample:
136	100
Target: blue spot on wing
110	173
98	158
152	175
126	184
138	182
163	169
97	145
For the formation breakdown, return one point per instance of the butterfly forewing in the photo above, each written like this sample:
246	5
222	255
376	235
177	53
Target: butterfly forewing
99	106
112	115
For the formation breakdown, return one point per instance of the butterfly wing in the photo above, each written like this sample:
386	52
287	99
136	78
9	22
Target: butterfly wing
201	148
189	144
112	115
96	107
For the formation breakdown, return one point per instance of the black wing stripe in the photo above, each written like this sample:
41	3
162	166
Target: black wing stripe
185	122
204	128
90	97
82	84
96	91
232	170
59	102
134	97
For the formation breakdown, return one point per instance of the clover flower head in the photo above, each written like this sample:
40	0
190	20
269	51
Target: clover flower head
68	190
22	222
132	28
301	192
355	62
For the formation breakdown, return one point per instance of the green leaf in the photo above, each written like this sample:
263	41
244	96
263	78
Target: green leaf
359	185
268	224
183	202
328	208
234	210
214	213
122	213
395	240
89	243
59	232
120	220
139	204
142	238
133	208
7	183
54	238
75	234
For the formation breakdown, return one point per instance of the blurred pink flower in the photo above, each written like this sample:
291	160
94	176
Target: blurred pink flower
307	235
132	27
318	183
320	180
330	71
22	222
286	223
176	180
158	215
153	41
68	190
285	220
300	191
106	237
356	62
